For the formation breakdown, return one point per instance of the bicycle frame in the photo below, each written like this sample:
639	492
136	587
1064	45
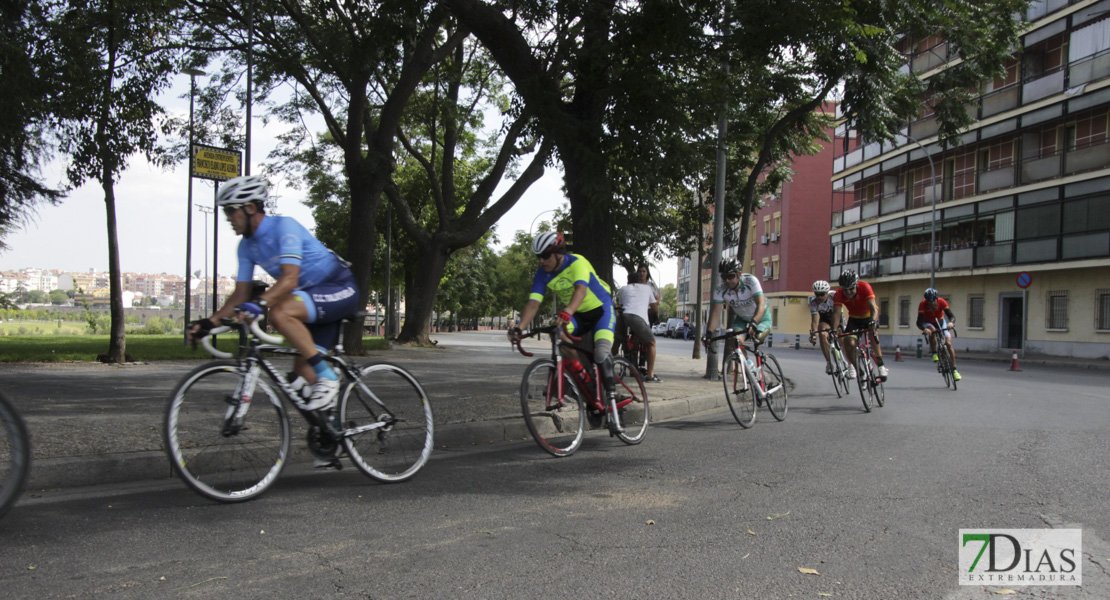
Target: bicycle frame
596	395
254	363
742	351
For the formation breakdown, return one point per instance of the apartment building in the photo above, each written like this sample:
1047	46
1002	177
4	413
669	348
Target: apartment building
1013	224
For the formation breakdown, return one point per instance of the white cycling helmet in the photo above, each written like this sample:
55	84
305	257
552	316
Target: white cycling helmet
547	241
244	190
820	286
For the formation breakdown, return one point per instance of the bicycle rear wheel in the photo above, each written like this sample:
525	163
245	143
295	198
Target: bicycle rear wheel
741	400
943	366
632	397
863	379
15	455
633	414
387	423
772	378
557	425
218	462
834	360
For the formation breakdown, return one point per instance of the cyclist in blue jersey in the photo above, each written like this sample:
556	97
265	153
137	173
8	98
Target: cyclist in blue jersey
313	292
586	299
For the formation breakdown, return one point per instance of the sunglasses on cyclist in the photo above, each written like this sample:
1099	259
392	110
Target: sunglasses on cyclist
546	255
729	276
819	294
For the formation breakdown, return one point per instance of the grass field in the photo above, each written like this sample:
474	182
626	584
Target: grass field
42	328
143	348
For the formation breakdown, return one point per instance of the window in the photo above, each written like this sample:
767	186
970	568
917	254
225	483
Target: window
904	311
774	318
884	308
1102	305
1056	311
975	304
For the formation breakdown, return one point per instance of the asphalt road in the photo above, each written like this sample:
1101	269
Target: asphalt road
702	509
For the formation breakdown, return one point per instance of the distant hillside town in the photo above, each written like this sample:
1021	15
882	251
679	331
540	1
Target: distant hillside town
91	289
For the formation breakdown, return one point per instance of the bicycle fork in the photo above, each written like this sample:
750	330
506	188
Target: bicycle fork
240	402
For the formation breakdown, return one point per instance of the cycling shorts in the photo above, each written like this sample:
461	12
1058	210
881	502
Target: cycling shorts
327	304
942	327
855	324
600	320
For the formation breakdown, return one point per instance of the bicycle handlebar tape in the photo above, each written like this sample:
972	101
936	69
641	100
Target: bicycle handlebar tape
563	316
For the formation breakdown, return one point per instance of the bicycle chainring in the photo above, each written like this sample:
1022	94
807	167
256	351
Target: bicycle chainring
321	444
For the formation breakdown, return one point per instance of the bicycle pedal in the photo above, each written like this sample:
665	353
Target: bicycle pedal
333	464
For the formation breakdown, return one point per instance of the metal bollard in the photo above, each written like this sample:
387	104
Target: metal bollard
919	347
797	341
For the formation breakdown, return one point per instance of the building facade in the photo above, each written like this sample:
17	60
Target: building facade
1011	225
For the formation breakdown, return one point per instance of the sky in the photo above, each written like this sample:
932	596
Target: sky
151	213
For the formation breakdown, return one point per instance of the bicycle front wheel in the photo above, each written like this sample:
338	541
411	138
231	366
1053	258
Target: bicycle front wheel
741	401
216	457
557	424
863	379
387	422
15	455
772	378
633	413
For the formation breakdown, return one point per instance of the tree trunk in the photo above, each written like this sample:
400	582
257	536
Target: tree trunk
420	294
590	213
117	343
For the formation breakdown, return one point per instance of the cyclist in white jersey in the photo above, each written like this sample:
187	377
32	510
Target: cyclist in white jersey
744	294
313	292
821	309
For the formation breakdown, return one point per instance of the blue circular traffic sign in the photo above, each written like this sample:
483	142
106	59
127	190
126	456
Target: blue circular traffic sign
1024	279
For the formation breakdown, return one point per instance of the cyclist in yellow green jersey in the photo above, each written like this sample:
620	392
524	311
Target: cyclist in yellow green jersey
586	300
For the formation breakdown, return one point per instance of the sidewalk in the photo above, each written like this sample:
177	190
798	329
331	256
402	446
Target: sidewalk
94	424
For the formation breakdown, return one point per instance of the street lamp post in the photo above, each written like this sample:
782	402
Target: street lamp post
192	73
207	210
933	223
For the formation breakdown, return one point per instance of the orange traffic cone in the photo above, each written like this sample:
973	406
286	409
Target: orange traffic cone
1014	363
898	353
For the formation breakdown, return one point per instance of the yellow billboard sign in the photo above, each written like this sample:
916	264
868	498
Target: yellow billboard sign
220	164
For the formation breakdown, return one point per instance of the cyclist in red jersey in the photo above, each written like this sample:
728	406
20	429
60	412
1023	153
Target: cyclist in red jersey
934	314
863	313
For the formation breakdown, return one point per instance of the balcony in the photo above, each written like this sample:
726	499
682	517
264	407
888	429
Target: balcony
1040	8
1041	168
933	57
1095	156
1042	87
996	179
1088	69
1000	100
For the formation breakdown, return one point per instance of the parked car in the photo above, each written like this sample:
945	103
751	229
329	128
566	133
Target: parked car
659	329
672	324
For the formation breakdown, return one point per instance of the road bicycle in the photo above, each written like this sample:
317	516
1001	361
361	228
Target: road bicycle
839	364
748	369
635	352
15	455
555	403
867	371
944	360
227	429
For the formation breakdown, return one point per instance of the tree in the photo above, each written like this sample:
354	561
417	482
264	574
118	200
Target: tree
668	302
354	65
443	195
623	89
25	53
58	297
116	60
